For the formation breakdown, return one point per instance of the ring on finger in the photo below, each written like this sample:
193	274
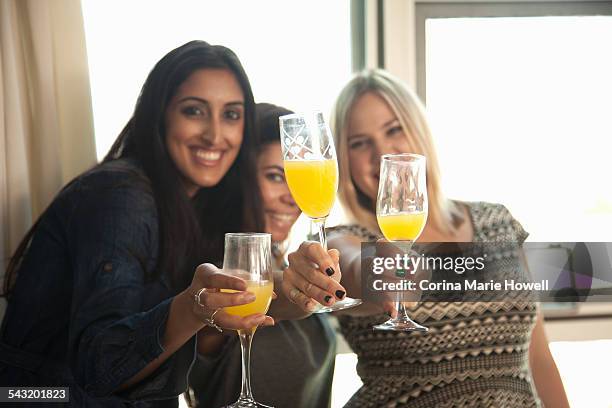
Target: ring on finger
198	295
210	320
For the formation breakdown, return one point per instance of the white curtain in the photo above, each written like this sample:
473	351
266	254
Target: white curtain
46	125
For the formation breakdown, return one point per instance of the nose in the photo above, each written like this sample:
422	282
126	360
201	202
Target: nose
381	148
212	133
386	146
287	199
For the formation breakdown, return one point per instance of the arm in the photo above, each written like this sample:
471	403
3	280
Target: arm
185	318
114	342
350	264
546	376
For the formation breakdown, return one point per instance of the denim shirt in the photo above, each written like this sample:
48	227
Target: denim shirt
84	312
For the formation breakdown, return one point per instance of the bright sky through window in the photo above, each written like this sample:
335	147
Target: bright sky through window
520	109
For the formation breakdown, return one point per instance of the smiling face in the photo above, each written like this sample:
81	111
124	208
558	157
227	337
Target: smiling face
373	130
280	211
204	127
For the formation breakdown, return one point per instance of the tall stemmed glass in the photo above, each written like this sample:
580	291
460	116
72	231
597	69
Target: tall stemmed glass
401	210
311	170
248	256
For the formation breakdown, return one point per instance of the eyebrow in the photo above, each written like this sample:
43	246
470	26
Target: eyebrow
205	102
389	123
274	166
386	124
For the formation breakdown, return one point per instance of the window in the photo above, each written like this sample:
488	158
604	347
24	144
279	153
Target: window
520	111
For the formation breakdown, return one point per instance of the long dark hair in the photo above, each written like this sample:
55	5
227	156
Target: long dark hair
191	230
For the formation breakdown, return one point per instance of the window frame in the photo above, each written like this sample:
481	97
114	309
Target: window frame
425	10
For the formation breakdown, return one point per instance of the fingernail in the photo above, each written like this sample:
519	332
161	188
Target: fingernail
340	294
327	299
330	271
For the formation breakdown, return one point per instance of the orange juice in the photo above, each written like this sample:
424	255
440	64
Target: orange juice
313	185
263	296
403	226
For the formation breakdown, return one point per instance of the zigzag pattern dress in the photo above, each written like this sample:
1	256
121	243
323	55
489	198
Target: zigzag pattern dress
475	353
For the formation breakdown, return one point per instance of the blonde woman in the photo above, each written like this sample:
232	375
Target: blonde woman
475	354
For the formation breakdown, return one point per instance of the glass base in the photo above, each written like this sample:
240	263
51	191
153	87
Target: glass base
400	324
345	303
247	403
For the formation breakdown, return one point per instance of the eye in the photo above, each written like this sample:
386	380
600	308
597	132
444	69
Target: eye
275	177
356	144
232	114
395	130
192	111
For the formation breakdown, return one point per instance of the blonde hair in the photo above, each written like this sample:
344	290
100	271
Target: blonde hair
410	112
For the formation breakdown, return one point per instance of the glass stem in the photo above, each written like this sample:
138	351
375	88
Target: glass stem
320	224
402	313
246	337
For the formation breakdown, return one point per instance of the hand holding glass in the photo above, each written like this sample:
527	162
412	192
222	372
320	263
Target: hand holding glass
311	171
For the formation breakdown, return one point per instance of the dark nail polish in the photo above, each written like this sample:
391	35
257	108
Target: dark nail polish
327	299
329	271
340	294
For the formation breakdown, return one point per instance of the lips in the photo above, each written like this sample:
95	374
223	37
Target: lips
206	157
282	218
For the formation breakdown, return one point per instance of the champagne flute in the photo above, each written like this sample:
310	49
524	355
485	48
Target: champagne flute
401	211
248	256
311	170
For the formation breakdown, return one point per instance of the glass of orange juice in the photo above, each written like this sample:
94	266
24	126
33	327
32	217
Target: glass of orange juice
248	256
311	171
401	211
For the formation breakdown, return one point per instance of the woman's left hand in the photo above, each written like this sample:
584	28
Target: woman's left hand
312	276
207	282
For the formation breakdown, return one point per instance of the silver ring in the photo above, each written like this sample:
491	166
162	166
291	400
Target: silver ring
197	296
210	321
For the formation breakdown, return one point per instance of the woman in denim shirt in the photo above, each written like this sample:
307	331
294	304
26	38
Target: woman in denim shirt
101	290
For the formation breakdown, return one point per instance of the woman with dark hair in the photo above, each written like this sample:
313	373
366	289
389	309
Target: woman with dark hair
105	294
292	362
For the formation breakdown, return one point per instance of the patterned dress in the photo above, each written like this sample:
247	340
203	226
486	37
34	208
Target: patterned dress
474	355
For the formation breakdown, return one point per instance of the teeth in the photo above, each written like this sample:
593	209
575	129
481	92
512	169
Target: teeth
282	217
208	155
